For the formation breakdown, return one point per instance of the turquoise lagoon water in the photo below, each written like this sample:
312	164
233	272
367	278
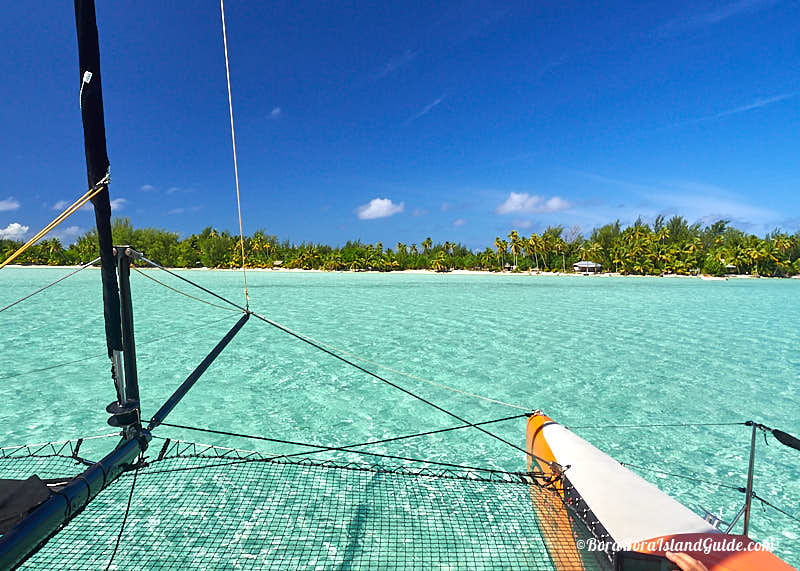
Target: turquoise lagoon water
588	351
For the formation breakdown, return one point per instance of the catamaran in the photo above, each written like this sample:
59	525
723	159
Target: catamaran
153	502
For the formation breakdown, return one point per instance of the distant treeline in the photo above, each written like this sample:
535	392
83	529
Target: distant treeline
666	246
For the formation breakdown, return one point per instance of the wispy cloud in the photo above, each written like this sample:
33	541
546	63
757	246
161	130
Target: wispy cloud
459	222
118	204
9	203
696	201
147	188
379	208
176	211
757	104
14	231
397	62
425	110
717	15
530	203
68	235
419	212
707	203
275	113
524	224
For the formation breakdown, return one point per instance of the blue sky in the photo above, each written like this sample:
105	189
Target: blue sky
397	121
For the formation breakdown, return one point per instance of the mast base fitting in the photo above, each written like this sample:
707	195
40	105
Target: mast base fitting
122	415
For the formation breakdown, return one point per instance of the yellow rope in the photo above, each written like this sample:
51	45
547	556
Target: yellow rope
91	193
233	142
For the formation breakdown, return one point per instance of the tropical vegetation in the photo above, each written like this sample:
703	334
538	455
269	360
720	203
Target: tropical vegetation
667	246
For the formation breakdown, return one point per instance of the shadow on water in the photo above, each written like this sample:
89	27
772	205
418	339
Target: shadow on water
355	529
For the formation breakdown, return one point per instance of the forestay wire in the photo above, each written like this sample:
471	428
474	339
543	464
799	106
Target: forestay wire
233	143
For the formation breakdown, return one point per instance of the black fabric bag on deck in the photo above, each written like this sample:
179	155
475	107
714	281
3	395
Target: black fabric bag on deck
18	498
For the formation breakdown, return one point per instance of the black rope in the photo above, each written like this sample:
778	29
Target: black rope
62	278
322	448
344	360
685	477
391	384
396	438
681	424
773	506
127	511
105	354
278	458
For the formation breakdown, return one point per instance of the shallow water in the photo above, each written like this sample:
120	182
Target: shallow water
588	351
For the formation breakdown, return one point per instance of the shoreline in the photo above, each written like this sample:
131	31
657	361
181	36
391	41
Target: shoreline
424	272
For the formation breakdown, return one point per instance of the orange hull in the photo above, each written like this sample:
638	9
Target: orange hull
561	527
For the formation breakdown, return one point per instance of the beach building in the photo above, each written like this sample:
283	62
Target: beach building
586	267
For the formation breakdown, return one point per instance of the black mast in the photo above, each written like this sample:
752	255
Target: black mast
97	165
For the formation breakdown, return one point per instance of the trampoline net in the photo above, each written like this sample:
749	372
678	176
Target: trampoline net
207	507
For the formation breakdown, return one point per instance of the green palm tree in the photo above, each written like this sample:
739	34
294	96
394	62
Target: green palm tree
427	243
535	244
516	245
439	263
501	246
486	258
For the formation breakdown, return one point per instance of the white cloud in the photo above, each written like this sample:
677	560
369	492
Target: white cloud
68	235
524	224
14	231
60	205
524	202
147	188
275	113
9	203
379	208
459	222
118	204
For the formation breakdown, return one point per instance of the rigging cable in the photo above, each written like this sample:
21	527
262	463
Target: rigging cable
342	351
385	440
71	209
183	292
718	484
664	425
684	476
104	354
346	361
773	506
322	448
62	278
233	143
416	378
127	511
